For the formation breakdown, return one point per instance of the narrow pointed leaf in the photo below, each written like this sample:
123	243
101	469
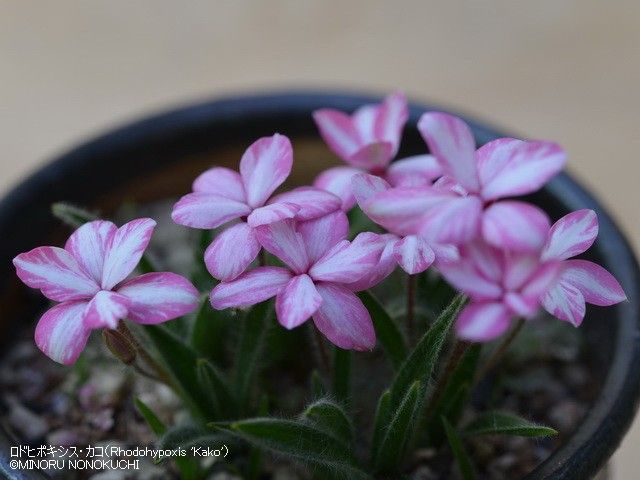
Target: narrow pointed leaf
505	423
217	388
330	417
341	373
187	436
300	441
156	425
463	461
72	215
398	432
209	330
381	421
389	334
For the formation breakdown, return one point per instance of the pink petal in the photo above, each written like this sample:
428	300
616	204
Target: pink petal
521	305
515	226
493	156
222	182
542	280
456	220
321	234
530	165
450	140
231	252
264	167
60	333
338	131
312	201
297	301
571	235
106	309
596	284
284	241
365	186
206	210
125	251
337	180
383	268
445	252
468	278
487	261
56	273
414	171
372	156
343	319
88	245
390	119
348	262
159	296
272	213
565	302
482	322
250	288
413	254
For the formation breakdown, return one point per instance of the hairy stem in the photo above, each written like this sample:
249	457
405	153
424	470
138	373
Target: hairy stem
459	349
411	288
325	364
500	352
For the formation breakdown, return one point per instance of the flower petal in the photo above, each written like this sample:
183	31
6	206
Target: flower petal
338	131
493	156
337	180
595	283
348	262
390	118
231	252
343	319
125	250
284	241
273	212
467	277
56	273
265	165
372	156
413	254
482	322
456	220
159	296
415	171
313	202
321	234
297	301
515	226
88	245
222	182
529	166
565	302
571	235
250	288
450	140
206	210
60	333
365	186
105	310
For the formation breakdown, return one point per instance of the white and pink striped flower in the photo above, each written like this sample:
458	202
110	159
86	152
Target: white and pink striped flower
580	281
221	195
317	281
367	141
89	279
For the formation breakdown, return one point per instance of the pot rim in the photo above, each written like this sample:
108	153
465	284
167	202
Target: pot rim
611	413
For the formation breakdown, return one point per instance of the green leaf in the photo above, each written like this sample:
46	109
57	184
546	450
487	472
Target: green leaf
150	417
504	423
398	432
217	388
72	215
455	395
249	350
330	417
341	373
459	452
187	436
299	441
208	334
420	364
387	331
381	421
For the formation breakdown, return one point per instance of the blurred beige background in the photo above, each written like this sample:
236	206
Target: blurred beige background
567	70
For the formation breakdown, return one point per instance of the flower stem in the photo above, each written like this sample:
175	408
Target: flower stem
499	352
459	349
411	288
322	351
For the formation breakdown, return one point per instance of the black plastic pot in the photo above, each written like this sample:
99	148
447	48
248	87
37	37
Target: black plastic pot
159	156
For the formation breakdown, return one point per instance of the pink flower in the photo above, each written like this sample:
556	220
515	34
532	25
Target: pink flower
368	140
501	285
502	168
580	281
321	268
221	195
88	278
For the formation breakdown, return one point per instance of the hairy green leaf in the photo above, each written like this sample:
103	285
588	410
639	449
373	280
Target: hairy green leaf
505	423
216	386
463	461
150	417
381	421
208	333
330	417
387	331
72	215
